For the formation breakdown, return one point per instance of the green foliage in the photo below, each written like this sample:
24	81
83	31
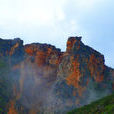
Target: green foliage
103	106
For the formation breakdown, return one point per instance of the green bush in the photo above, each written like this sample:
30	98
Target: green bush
103	106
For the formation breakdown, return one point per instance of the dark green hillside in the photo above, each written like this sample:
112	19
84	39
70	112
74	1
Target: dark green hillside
103	106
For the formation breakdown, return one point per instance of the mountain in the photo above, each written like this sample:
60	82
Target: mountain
102	106
39	78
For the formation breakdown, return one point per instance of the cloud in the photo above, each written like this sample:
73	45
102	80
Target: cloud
40	12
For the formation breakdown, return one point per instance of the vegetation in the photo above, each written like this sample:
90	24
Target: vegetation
103	106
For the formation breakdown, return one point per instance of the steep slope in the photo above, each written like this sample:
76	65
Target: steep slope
82	76
102	106
45	80
11	53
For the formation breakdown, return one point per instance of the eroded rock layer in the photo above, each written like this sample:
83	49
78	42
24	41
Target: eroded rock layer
45	80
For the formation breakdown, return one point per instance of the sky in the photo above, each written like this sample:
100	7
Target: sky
53	21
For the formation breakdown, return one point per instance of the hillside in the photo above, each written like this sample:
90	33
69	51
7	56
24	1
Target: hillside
39	78
102	106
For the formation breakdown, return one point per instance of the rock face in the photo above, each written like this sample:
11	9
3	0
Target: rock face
82	75
46	57
48	80
43	54
12	49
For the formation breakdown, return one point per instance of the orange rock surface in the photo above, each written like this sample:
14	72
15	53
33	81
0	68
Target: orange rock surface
42	56
74	78
93	66
70	44
12	108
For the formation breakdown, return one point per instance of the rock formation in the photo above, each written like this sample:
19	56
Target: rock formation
44	79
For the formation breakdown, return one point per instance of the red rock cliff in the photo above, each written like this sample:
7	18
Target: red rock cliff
39	71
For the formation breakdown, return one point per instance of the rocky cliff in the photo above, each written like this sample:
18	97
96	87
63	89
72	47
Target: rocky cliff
45	80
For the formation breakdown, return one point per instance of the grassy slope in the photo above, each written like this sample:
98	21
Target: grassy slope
103	106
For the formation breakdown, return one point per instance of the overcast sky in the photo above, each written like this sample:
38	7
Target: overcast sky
53	21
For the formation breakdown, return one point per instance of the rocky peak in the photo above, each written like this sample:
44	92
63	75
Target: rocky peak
10	47
43	53
32	49
17	40
72	42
